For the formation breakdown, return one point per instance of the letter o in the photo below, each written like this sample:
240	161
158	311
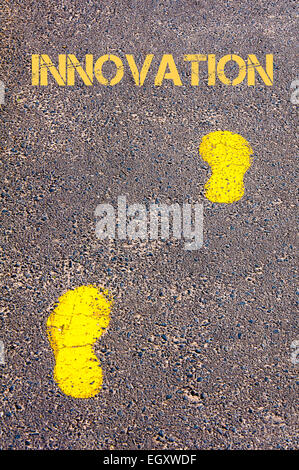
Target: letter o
242	69
98	69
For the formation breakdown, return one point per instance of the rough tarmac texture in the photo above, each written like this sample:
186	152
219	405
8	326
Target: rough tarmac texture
197	354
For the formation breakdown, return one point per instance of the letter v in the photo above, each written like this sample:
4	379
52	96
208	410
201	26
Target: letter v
139	78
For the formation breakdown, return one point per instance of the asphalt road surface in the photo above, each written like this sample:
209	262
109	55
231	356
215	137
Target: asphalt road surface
198	351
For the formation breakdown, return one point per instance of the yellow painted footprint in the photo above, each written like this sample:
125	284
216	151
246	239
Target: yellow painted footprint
229	156
73	327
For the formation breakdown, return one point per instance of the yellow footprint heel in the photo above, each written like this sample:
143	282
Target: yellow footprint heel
76	323
229	156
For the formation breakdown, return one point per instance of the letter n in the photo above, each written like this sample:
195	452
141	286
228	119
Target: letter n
73	64
46	65
253	65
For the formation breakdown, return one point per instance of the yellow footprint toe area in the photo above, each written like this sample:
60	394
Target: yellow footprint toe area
75	324
229	156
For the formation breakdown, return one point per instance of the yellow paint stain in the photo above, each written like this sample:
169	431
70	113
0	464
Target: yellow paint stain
73	327
229	156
